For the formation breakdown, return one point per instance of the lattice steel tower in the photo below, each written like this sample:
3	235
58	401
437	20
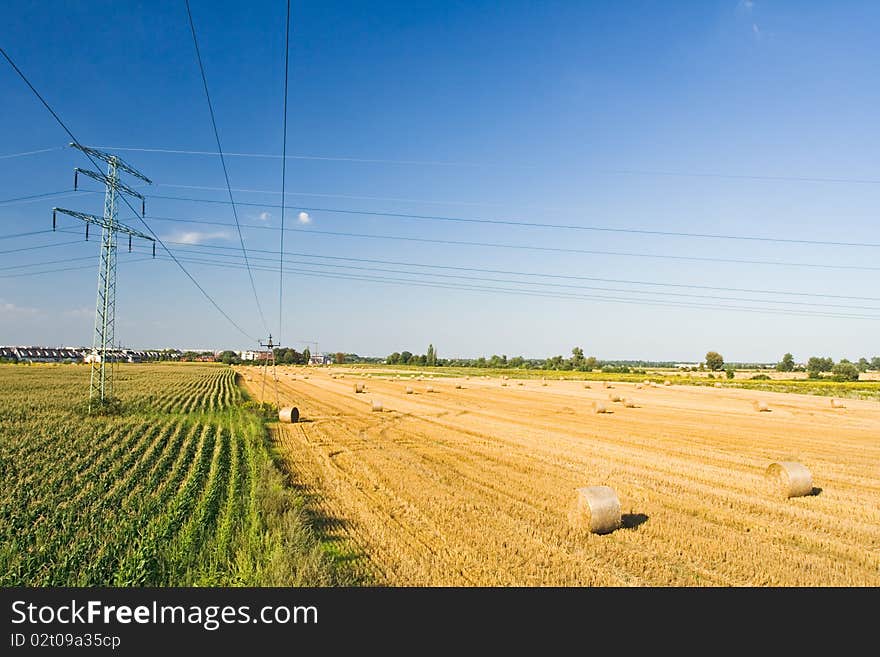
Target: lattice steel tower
101	380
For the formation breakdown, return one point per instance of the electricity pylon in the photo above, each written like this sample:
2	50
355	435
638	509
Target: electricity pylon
101	380
271	355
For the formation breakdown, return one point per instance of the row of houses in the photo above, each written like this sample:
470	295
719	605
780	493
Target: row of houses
32	354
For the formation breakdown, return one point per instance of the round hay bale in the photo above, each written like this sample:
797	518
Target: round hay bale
543	383
409	390
305	376
519	383
586	386
667	382
504	384
288	414
613	397
429	389
639	386
599	407
837	404
377	406
358	387
647	382
458	386
595	508
718	385
630	403
790	479
467	378
760	406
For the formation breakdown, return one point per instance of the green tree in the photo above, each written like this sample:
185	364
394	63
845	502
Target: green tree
731	373
875	363
340	358
845	371
786	364
393	359
517	361
714	361
229	357
429	357
577	358
307	355
816	365
863	364
405	357
591	364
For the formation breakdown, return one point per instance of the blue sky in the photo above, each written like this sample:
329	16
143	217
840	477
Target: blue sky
737	118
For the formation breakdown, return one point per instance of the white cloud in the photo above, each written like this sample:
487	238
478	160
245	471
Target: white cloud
747	4
264	216
756	30
197	236
7	308
304	218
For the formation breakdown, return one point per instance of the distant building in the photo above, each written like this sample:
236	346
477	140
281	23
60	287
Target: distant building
250	355
319	359
78	355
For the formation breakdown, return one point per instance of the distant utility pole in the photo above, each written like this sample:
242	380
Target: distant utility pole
309	343
271	355
101	380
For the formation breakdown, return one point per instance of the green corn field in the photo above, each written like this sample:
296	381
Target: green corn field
176	488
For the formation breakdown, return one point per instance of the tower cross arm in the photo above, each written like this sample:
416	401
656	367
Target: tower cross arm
115	159
100	177
103	222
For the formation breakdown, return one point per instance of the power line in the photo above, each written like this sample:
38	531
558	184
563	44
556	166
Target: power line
28	234
44	195
541	294
560	276
360	160
507	165
47	262
556	276
351	197
95	164
41	150
545	284
534	224
529	247
41	246
473	281
283	173
64	269
471	220
223	161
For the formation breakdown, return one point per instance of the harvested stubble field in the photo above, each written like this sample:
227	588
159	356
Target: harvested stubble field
472	486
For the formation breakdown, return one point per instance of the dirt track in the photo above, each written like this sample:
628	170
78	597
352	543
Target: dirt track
471	486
